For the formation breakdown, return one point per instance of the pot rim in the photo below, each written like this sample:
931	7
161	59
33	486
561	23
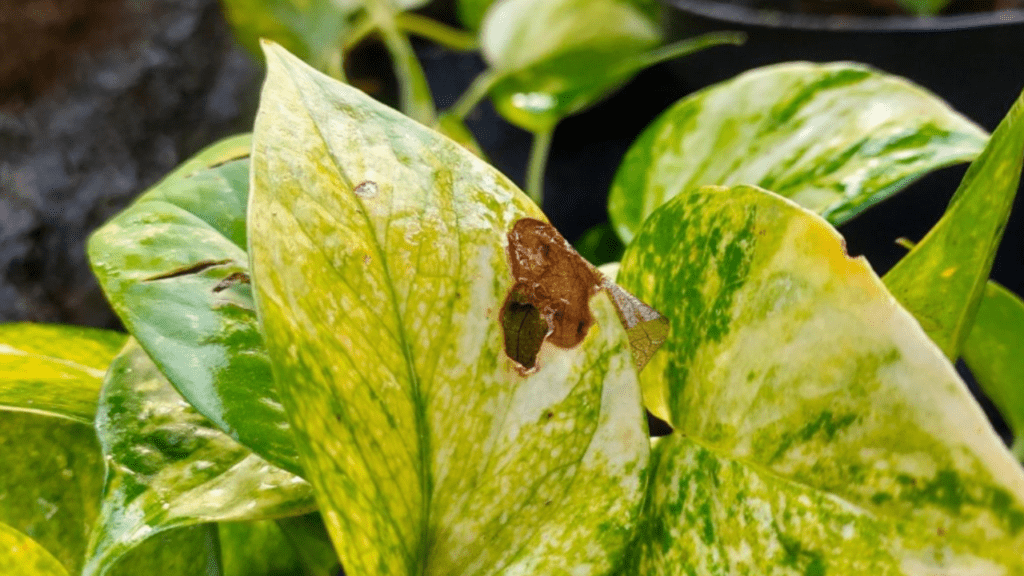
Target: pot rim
742	15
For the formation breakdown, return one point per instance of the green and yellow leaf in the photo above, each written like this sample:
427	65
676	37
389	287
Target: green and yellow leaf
168	467
384	260
835	138
817	428
174	267
942	279
54	370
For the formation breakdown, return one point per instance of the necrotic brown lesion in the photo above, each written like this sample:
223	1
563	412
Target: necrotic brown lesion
550	299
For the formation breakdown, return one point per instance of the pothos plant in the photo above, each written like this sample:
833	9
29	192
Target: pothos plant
546	59
353	342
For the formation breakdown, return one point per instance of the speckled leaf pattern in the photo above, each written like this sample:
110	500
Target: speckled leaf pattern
994	351
23	556
54	370
942	279
168	467
51	481
812	412
835	138
174	267
380	270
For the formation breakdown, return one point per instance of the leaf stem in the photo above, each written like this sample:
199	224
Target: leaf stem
363	28
453	38
538	160
417	102
1018	448
689	46
479	88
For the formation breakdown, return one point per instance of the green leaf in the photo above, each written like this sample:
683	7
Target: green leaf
256	548
942	279
174	267
50	491
600	245
471	12
22	555
994	351
51	481
286	547
167	467
313	29
835	138
54	370
923	7
553	58
818	429
381	273
312	543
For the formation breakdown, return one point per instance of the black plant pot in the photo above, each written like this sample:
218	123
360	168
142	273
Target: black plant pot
974	61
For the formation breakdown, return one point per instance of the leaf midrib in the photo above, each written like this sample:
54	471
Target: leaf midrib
419	408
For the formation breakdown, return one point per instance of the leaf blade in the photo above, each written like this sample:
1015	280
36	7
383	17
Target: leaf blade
380	273
170	469
54	370
174	268
952	262
835	138
789	358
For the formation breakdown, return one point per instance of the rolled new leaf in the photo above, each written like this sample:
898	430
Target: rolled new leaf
835	138
817	428
384	259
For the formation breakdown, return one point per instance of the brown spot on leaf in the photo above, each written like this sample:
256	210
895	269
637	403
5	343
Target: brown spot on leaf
231	280
551	297
366	189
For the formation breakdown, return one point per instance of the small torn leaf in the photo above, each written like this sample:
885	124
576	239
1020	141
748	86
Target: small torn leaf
524	329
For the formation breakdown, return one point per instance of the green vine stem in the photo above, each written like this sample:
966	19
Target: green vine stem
538	160
417	102
479	88
452	38
689	46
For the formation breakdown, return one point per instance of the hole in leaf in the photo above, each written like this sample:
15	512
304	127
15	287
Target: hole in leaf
524	329
657	427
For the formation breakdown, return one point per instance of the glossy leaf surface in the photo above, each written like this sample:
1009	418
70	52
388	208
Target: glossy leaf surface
994	351
174	267
817	428
943	277
553	58
381	274
168	467
313	29
54	370
835	138
22	555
